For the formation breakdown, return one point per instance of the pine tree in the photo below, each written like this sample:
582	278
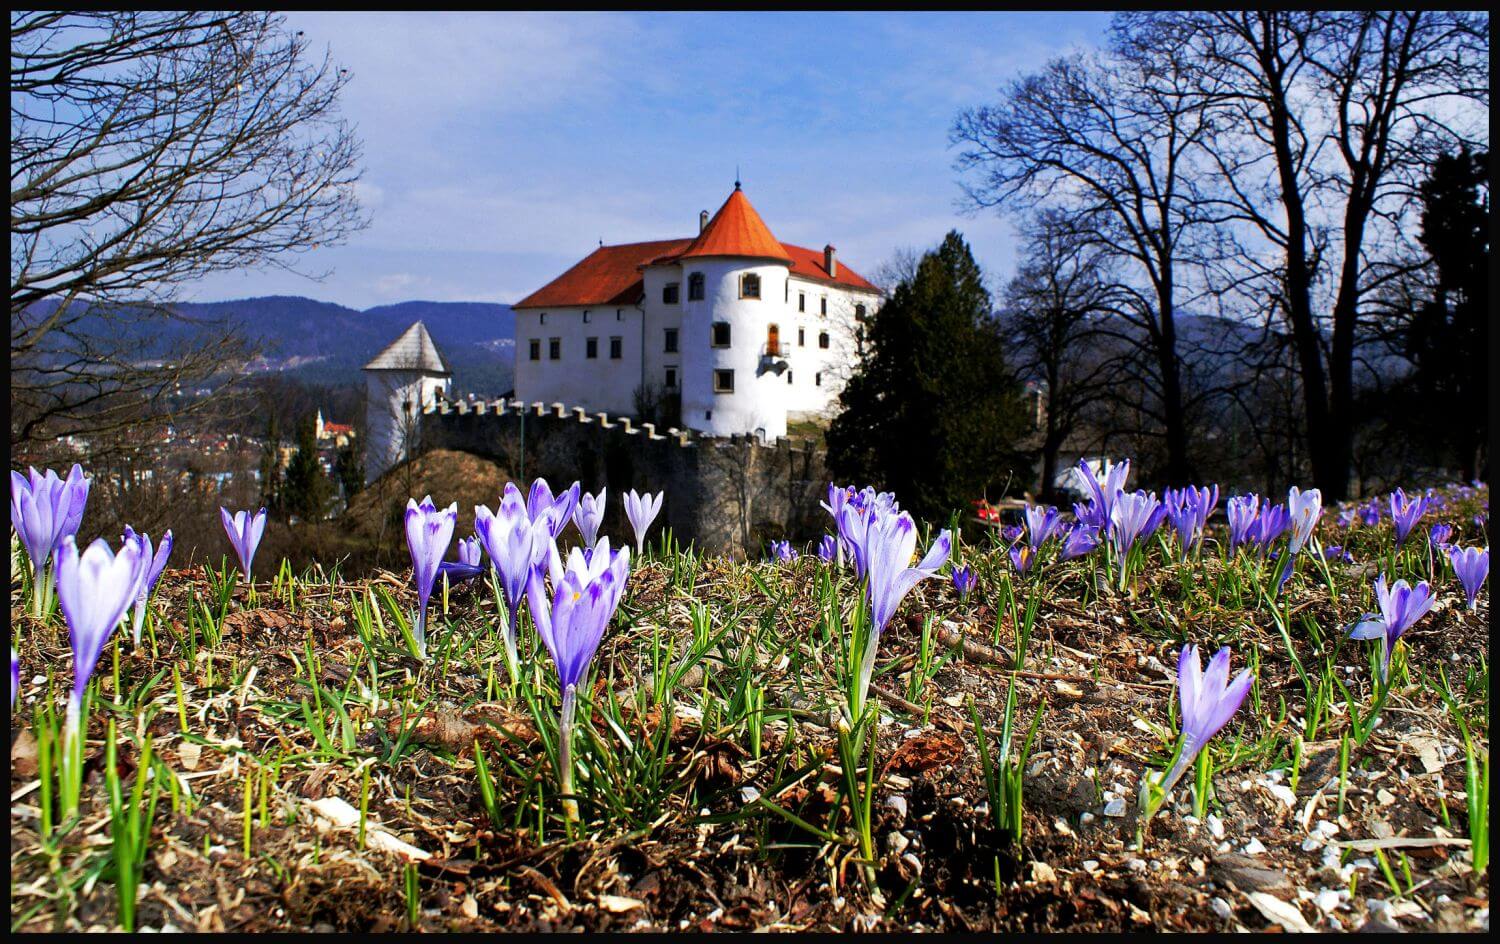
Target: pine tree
933	412
1448	338
307	490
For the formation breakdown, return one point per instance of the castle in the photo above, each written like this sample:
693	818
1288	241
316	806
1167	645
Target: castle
742	331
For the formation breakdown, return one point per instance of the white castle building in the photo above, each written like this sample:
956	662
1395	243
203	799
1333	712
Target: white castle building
747	330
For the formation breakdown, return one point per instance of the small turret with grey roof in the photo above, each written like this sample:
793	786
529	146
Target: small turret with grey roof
402	380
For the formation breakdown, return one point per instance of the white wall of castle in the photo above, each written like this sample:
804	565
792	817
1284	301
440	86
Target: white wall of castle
761	400
394	400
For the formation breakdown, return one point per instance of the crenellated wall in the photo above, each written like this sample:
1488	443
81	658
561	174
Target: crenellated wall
727	495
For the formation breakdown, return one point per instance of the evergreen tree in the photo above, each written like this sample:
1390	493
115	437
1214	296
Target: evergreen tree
932	412
306	490
270	466
1448	338
350	467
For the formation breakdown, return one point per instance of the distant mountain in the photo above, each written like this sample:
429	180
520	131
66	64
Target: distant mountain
328	343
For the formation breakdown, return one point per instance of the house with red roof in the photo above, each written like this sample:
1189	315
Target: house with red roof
742	331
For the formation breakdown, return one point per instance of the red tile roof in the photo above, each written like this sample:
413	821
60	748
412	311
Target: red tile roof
737	230
611	275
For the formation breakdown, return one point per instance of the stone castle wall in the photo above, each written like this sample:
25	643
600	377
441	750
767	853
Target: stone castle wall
727	495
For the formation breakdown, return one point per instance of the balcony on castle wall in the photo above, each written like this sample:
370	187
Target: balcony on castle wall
773	357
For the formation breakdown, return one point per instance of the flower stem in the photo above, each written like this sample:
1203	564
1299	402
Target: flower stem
565	752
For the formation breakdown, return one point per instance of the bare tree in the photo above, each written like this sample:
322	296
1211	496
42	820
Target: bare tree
1330	119
1110	138
148	150
1055	309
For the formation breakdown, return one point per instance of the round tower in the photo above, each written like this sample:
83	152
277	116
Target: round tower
402	380
734	380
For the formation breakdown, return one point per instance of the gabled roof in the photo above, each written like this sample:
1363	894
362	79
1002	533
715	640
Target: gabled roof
413	350
737	230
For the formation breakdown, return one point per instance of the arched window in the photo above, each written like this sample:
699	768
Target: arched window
773	341
750	285
695	287
823	339
859	312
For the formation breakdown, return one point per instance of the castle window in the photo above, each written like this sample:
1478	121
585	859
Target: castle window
544	318
788	378
616	345
554	349
671	378
619	314
802	301
720	335
586	315
823	340
859	312
695	287
823	305
802	337
591	348
536	349
749	285
671	342
723	381
669	293
773	341
818	379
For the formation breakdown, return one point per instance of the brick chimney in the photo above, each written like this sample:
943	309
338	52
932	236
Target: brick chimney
702	220
830	261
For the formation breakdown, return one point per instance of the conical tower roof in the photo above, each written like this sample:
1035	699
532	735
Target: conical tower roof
414	350
737	230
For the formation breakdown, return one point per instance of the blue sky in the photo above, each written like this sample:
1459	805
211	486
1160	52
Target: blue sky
500	148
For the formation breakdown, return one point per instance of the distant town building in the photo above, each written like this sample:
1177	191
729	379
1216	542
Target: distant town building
745	330
409	375
337	433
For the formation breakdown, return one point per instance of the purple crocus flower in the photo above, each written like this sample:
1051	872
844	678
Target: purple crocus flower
1189	509
1337	552
1400	607
44	509
642	510
571	622
1269	525
470	563
94	589
588	514
1022	557
1304	509
1104	493
783	551
1081	540
515	544
1042	523
558	511
1012	532
1406	512
1131	518
828	549
964	581
244	530
1471	565
15	675
428	534
1440	534
149	576
1208	700
1242	511
889	544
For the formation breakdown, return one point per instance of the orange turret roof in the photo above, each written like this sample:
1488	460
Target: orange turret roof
737	230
